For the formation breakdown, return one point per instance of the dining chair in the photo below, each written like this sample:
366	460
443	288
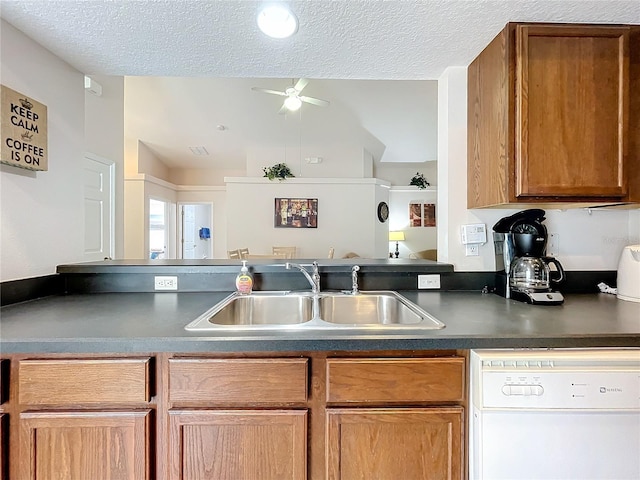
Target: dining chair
258	256
243	252
290	252
233	254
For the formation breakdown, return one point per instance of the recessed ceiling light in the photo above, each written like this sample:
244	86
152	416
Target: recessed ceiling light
277	21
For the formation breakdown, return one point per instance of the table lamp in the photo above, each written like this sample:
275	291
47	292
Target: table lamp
396	237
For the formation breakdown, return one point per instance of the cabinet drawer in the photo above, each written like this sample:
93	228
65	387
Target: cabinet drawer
86	381
395	380
241	380
4	380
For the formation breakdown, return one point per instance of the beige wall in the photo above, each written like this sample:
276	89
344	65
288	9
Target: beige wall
42	212
346	216
343	160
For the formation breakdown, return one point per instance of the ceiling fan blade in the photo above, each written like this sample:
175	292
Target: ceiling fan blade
283	110
302	82
314	101
265	90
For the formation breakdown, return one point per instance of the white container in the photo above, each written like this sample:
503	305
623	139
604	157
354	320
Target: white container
629	274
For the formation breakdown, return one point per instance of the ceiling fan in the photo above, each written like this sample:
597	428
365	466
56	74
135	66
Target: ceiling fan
294	100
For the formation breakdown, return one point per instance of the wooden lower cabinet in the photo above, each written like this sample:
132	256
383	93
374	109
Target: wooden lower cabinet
394	443
237	416
81	445
3	449
238	444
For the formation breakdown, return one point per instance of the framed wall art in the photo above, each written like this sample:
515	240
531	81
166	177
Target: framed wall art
429	217
415	214
296	213
422	214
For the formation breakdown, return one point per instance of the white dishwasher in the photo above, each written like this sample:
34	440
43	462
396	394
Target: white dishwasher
551	414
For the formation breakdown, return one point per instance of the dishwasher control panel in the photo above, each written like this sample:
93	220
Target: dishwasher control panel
554	379
566	389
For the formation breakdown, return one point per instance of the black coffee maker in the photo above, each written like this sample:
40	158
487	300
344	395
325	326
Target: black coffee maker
520	242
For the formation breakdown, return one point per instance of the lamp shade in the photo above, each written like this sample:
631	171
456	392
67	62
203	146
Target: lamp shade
396	236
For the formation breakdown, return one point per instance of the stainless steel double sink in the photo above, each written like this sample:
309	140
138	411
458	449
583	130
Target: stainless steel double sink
382	310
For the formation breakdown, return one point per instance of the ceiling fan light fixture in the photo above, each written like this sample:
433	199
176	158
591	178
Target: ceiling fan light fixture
292	103
277	21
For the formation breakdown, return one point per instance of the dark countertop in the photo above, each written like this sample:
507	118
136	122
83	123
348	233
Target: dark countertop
154	322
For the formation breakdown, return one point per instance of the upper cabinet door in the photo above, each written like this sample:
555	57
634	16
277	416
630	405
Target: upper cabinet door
554	117
572	101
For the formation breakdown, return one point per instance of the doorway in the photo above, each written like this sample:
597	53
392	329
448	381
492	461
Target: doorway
195	230
158	229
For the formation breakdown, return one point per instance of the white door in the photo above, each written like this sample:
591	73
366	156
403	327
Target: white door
98	208
188	231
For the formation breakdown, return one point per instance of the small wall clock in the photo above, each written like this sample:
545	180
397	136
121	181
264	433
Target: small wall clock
383	211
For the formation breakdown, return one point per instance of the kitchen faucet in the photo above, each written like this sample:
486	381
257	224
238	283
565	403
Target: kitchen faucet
313	279
354	279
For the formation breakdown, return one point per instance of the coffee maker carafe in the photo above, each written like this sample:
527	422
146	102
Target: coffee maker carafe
520	241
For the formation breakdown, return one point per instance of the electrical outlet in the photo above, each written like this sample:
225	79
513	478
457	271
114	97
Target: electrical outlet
166	283
472	250
428	281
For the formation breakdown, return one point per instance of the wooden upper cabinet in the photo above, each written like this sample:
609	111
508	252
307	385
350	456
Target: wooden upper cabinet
549	117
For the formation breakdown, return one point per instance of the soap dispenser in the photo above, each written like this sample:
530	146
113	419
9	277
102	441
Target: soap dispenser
244	281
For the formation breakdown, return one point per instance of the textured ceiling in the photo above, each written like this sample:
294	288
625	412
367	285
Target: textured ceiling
358	39
351	42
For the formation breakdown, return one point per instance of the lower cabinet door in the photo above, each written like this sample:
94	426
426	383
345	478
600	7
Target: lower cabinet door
3	449
394	443
85	445
238	444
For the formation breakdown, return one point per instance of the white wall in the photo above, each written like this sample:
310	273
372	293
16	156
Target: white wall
588	239
104	136
42	212
347	218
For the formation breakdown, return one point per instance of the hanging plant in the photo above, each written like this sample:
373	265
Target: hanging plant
279	171
419	181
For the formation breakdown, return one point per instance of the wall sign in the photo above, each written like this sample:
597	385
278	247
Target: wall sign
24	131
